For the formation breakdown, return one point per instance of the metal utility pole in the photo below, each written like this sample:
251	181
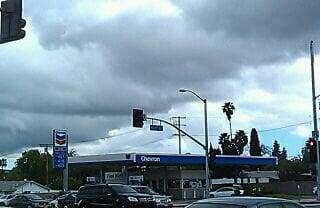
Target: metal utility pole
315	124
177	122
46	146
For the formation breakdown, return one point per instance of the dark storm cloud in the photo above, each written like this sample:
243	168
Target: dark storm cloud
211	41
89	72
271	20
265	31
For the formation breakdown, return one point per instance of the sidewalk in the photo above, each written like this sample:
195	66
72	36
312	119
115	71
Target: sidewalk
308	201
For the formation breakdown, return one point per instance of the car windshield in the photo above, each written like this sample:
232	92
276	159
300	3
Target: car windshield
33	197
211	205
145	190
224	189
120	189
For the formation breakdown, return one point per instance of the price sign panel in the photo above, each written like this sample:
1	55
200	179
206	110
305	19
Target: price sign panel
60	149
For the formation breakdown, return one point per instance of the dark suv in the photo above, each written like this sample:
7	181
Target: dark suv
27	201
112	195
161	200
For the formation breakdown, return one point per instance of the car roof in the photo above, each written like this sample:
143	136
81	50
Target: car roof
102	184
228	187
244	201
136	186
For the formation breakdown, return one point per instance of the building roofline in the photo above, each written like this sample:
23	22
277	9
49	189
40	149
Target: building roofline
172	159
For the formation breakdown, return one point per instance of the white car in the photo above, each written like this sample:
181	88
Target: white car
4	199
226	192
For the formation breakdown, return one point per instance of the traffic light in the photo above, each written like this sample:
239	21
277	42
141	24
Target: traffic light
311	148
137	118
12	23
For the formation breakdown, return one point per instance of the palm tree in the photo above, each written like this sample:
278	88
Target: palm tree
228	108
241	140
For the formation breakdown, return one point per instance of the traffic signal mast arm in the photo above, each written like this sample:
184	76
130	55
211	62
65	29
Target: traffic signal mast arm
188	135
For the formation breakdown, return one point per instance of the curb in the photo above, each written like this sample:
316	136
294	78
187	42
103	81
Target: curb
309	202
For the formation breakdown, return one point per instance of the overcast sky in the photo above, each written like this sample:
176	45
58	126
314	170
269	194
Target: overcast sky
84	65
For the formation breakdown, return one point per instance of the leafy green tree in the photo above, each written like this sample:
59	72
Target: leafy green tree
228	147
72	153
283	154
240	140
214	151
292	169
31	166
73	183
276	149
217	151
266	150
228	108
255	149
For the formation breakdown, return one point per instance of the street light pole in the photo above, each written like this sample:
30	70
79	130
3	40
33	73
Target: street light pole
206	139
207	146
315	124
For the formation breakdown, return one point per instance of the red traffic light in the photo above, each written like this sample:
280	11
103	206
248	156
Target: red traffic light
311	142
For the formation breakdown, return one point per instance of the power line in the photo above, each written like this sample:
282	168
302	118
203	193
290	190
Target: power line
107	137
130	132
202	117
86	140
266	130
284	127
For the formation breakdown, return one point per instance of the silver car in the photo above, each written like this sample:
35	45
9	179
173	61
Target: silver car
226	191
245	202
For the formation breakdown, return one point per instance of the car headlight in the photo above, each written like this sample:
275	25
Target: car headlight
168	200
35	204
158	200
132	199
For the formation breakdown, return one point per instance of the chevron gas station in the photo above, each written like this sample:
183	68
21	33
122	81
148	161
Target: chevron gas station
181	176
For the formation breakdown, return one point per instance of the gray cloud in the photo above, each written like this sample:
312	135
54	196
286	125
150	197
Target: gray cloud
85	73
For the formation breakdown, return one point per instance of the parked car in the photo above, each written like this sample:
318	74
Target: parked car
112	195
161	200
226	191
65	201
27	201
5	198
245	202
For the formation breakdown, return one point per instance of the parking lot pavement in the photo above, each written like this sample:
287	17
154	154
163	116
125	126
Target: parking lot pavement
306	202
182	203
